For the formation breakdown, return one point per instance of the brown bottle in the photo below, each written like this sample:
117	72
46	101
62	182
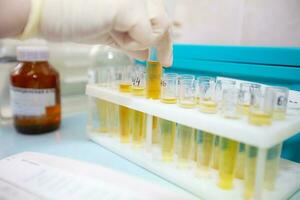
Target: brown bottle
35	92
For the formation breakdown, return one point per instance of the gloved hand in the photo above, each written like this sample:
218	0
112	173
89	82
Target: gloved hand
130	25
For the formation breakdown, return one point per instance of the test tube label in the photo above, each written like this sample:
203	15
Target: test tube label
252	152
242	147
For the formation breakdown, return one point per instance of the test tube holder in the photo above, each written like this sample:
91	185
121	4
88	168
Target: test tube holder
264	137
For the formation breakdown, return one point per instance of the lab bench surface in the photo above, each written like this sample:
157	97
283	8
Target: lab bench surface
71	141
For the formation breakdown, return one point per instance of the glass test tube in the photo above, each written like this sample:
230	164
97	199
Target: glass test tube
167	142
103	112
155	130
113	119
227	160
229	103
184	143
271	169
169	87
240	161
125	124
250	171
187	91
125	79
247	92
221	85
280	103
216	152
207	94
153	76
205	144
138	81
261	109
139	128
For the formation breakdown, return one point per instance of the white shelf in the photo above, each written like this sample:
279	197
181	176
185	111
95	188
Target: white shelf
287	183
240	130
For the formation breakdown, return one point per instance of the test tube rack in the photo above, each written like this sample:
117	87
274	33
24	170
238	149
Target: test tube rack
264	137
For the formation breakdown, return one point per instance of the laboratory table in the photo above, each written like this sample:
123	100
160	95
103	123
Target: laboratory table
71	141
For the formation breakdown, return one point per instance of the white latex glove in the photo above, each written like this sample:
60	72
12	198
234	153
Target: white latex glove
130	25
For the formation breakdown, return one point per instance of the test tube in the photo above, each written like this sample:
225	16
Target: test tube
240	161
229	103
125	79
216	152
167	133
169	87
113	119
184	143
227	160
153	76
271	169
261	109
138	81
187	91
221	85
250	171
247	92
103	112
125	124
139	128
280	103
155	130
205	144
207	94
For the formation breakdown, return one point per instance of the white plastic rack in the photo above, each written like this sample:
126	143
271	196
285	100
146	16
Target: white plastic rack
264	137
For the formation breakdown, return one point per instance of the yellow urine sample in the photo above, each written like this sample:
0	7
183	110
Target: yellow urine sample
184	144
187	104
113	119
139	128
216	151
103	117
170	100
153	79
243	109
195	146
227	162
125	87
138	91
208	106
240	161
279	114
125	124
250	172
259	118
205	143
167	130
155	136
271	169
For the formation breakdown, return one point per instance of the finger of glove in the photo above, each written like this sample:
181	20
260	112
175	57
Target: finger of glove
141	55
165	49
132	27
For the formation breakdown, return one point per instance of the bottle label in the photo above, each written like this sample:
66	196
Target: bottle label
31	102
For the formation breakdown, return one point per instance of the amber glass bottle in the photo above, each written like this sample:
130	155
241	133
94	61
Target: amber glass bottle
35	92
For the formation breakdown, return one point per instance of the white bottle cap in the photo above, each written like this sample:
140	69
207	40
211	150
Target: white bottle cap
32	53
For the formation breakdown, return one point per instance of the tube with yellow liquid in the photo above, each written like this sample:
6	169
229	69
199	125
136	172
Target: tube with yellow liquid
184	145
153	76
103	112
138	81
139	128
125	124
205	143
227	160
272	162
240	162
155	131
113	119
167	142
216	152
250	171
